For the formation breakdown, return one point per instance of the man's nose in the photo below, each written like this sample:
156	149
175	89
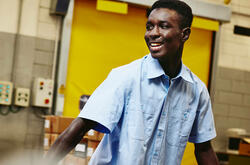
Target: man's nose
155	33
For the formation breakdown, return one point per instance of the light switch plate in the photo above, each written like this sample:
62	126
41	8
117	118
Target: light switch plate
22	97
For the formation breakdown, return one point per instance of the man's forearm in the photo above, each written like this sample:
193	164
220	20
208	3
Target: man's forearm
62	146
205	154
68	140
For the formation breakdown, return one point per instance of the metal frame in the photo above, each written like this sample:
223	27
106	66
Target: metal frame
214	68
63	58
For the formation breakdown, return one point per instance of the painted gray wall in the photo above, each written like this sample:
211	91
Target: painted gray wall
7	44
22	59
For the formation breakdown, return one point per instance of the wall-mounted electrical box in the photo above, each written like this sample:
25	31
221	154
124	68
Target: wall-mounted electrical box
42	92
22	97
6	89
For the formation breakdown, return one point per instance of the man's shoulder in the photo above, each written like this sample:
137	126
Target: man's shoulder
196	80
124	77
128	69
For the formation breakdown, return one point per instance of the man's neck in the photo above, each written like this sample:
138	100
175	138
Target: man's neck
171	69
171	64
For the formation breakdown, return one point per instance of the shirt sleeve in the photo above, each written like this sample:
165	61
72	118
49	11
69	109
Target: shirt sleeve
105	105
203	128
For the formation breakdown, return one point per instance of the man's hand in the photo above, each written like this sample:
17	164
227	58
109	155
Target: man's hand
68	139
205	154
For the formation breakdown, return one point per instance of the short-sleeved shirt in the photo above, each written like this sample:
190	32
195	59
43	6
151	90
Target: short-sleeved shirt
147	117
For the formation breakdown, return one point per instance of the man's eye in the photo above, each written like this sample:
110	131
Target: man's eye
149	27
164	26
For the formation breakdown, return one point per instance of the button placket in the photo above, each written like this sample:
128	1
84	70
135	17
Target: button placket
162	124
160	134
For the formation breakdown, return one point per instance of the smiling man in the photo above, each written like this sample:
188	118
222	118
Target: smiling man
151	107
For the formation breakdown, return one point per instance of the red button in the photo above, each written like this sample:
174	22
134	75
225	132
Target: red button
41	83
46	101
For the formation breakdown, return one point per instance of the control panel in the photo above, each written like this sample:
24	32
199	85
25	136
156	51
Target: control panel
42	92
6	89
22	97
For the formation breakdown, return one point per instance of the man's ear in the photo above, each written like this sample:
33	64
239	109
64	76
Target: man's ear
185	34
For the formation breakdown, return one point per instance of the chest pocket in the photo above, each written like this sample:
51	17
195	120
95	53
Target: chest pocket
179	127
135	125
181	114
139	123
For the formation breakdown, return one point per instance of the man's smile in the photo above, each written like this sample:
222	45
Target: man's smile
155	46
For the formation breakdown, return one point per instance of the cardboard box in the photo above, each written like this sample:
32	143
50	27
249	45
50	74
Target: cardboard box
53	138
91	146
100	136
54	124
92	135
244	148
84	140
60	123
47	124
81	149
46	141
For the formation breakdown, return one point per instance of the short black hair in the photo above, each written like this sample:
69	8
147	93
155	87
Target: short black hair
183	9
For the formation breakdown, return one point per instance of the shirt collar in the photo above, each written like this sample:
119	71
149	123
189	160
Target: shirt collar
155	70
184	74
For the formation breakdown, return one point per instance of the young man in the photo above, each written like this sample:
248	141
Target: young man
151	107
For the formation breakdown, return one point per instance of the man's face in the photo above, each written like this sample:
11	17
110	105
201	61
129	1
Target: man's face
163	34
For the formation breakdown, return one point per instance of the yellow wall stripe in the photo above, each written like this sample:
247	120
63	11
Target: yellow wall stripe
206	24
111	6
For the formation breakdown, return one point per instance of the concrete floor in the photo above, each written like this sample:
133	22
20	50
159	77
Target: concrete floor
12	153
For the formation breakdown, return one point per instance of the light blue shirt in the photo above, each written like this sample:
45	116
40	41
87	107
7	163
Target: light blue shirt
147	117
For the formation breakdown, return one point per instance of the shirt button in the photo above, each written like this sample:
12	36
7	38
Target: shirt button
156	154
159	134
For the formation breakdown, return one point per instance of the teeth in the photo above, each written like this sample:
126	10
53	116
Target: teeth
155	44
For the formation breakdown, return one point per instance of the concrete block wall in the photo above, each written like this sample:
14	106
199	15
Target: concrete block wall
43	58
231	103
7	42
28	40
237	6
235	50
231	100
